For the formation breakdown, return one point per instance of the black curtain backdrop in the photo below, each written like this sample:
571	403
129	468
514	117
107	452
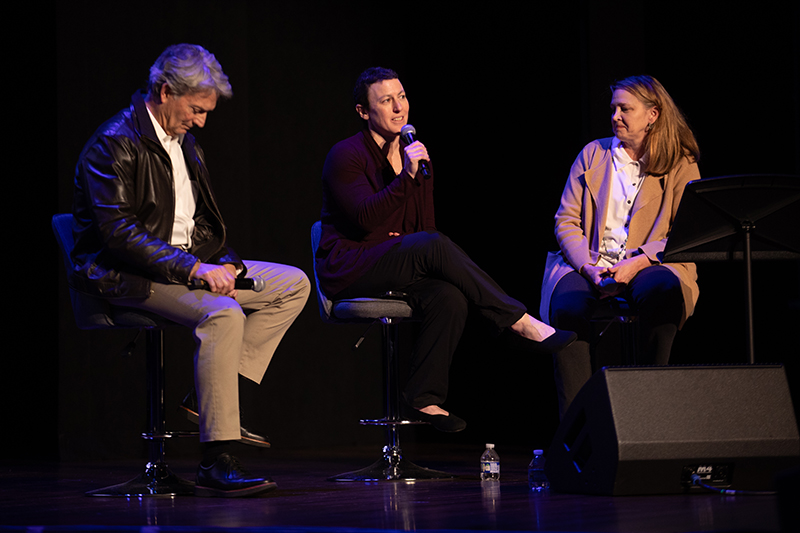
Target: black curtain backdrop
504	97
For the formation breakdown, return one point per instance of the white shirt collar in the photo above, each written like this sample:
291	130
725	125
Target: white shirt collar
161	134
621	157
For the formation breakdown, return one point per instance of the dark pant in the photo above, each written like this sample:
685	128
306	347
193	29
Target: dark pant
656	293
441	282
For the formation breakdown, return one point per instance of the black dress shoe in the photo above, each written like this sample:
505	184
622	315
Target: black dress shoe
552	344
227	479
447	423
190	409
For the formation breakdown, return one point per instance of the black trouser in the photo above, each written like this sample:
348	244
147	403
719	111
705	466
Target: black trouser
656	293
442	282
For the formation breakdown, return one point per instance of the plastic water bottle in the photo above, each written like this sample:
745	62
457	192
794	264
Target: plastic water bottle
490	464
537	481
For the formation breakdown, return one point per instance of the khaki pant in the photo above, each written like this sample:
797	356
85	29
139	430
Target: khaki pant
233	336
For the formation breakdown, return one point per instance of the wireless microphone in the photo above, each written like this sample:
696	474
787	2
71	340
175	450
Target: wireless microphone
407	133
246	284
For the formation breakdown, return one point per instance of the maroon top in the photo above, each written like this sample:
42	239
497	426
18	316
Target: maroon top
363	200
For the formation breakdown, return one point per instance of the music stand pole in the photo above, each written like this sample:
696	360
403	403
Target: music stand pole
717	218
747	227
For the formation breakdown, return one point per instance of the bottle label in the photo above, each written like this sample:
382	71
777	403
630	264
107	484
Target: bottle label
490	467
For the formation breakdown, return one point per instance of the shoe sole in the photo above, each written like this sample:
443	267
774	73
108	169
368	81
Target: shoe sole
209	492
195	419
255	442
432	420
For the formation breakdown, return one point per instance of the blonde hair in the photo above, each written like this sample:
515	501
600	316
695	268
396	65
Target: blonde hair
670	137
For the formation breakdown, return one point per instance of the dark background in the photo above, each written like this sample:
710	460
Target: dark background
504	97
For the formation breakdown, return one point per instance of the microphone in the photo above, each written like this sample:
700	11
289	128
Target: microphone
246	284
407	133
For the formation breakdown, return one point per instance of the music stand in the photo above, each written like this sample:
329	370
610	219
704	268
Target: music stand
737	218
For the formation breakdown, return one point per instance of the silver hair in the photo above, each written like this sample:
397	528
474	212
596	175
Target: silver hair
188	68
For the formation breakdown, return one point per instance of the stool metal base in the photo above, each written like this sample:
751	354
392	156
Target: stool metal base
157	480
392	467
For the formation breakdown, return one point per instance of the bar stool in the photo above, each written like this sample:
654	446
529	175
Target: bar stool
93	313
390	312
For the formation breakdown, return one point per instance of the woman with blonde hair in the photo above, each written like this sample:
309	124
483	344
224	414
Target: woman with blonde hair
612	225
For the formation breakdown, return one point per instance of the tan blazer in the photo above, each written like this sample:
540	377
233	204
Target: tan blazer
581	220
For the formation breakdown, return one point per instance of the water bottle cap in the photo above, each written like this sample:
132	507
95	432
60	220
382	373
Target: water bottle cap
490	446
538	452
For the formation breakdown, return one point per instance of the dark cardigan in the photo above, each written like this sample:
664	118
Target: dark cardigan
363	200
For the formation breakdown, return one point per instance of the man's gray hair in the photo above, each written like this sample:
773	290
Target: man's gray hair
188	68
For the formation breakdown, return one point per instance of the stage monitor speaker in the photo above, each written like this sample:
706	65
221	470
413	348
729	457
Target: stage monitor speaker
646	430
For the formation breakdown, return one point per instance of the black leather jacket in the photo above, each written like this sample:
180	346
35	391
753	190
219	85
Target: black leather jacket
124	208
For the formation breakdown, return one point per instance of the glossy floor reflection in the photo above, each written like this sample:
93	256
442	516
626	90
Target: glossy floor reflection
51	495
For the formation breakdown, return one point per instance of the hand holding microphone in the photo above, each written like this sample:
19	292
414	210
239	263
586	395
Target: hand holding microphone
221	279
408	134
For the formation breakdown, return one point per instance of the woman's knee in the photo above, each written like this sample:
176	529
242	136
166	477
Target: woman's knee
573	298
656	285
440	295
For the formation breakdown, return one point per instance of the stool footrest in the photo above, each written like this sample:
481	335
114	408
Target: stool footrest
389	422
169	435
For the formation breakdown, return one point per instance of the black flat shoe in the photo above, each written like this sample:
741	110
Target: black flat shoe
557	341
552	344
227	479
448	424
189	408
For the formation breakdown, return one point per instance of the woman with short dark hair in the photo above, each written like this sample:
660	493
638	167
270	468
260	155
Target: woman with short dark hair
379	234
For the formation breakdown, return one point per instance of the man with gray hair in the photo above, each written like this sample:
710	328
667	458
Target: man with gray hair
147	224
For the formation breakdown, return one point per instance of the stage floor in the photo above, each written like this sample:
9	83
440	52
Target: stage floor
50	497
